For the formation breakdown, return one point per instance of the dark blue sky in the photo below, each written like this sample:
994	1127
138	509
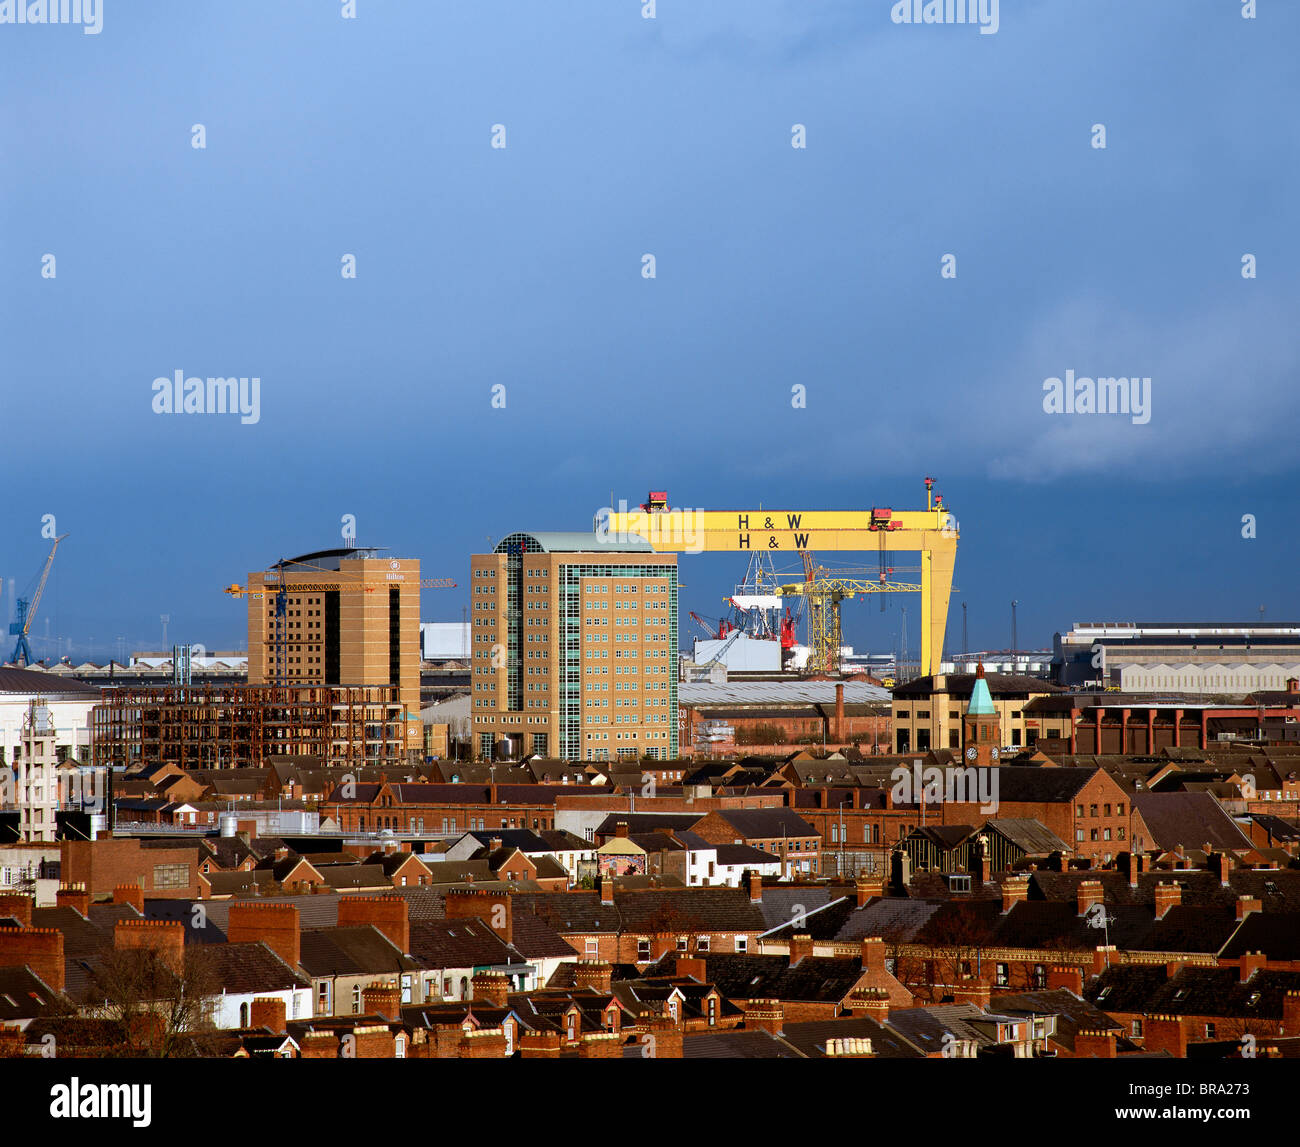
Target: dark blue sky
775	266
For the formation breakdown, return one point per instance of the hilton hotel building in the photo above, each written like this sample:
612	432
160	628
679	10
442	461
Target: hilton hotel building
574	645
351	618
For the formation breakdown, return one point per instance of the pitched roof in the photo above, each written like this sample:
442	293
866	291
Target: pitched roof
821	979
350	951
1190	819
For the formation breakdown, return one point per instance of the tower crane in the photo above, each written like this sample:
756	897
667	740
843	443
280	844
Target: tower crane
22	624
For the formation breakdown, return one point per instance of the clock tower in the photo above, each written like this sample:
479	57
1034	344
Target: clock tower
981	727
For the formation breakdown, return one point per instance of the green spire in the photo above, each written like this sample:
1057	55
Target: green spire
981	700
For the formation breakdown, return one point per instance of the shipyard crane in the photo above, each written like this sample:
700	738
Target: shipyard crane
931	532
26	612
824	629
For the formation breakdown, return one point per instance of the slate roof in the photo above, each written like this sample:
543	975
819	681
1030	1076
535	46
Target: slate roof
1125	987
728	1045
810	1037
24	995
460	944
648	910
1190	819
646	822
926	1027
355	876
1220	992
1072	1014
243	968
1276	934
350	951
765	823
820	979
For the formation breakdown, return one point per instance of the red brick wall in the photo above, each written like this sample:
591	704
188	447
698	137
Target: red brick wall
41	949
101	865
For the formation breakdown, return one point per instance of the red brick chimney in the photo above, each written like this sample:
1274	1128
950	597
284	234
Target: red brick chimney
1291	1014
18	906
276	925
493	908
167	937
1131	864
801	945
540	1045
1094	1044
766	1014
1251	962
1168	895
1090	892
607	890
755	880
873	954
598	975
865	887
1165	1033
620	829
1068	976
131	894
1014	890
491	987
1103	956
41	949
387	913
870	1002
693	968
73	896
267	1012
665	1039
1248	904
1221	866
382	998
839	713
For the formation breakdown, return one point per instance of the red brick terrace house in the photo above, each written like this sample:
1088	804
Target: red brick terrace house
428	808
638	926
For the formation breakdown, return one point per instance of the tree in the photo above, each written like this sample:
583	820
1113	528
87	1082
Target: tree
157	1009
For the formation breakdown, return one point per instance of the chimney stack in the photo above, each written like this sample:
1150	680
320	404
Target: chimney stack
1168	896
766	1014
389	914
1090	892
801	945
1094	1044
268	1012
606	889
866	887
492	987
276	925
873	954
73	896
755	880
598	975
1248	904
1252	962
1014	890
839	713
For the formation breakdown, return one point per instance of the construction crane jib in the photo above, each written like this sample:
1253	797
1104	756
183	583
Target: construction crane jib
932	532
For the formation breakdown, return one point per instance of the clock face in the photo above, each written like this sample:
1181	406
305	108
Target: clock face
993	753
971	753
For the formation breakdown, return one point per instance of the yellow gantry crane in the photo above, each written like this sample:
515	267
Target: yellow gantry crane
931	532
824	595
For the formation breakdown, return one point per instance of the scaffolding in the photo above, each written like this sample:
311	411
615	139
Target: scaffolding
243	726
